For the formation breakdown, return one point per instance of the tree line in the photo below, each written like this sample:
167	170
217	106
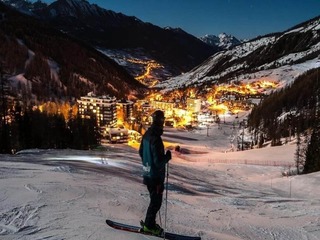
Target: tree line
40	129
293	111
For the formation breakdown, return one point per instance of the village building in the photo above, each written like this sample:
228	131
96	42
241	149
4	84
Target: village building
193	105
125	110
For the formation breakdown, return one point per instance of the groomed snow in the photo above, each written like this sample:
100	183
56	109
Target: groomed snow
212	192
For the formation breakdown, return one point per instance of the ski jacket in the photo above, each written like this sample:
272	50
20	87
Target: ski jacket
153	155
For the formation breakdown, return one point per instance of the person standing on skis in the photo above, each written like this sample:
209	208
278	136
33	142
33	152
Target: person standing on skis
154	160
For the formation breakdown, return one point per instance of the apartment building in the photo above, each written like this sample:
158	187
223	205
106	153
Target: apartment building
104	108
164	106
125	110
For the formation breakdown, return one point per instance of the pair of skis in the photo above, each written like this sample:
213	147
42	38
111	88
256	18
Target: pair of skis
136	229
165	235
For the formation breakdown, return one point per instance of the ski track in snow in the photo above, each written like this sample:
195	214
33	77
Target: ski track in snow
16	220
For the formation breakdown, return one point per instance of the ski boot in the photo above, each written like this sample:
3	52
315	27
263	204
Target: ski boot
156	230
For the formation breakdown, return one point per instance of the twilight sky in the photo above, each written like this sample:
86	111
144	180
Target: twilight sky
240	18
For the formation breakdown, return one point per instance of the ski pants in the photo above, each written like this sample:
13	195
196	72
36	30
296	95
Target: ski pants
156	193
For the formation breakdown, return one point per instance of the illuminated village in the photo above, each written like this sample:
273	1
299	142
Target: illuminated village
122	121
190	109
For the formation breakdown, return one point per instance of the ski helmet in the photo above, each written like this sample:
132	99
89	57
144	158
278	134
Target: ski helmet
158	118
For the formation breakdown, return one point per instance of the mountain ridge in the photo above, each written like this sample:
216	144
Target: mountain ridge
173	48
106	29
254	58
243	61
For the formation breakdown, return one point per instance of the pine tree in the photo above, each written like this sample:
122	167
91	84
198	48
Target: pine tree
313	151
261	141
312	163
84	133
5	143
300	153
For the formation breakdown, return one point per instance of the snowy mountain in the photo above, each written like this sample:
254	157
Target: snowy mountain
223	40
176	51
25	6
47	64
280	57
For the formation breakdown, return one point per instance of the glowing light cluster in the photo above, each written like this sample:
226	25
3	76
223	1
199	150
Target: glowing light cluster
149	66
221	99
252	88
244	90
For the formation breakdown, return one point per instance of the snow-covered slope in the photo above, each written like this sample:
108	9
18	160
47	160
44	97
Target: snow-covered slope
281	57
212	193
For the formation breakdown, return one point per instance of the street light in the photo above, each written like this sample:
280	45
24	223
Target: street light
242	137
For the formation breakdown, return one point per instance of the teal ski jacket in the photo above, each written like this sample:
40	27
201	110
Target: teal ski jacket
153	155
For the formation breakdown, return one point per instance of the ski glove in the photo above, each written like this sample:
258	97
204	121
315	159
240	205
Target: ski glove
168	155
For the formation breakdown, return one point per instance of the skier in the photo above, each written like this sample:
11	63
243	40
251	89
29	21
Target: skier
154	160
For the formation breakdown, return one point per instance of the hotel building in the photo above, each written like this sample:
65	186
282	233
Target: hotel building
104	108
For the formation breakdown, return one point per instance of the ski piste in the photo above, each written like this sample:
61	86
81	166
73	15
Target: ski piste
135	229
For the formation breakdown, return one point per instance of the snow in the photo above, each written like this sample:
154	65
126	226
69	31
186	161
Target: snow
213	191
18	78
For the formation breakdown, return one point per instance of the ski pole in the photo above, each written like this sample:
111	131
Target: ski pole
166	206
160	218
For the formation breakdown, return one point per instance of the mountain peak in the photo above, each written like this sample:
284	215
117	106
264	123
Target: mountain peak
73	8
223	40
81	4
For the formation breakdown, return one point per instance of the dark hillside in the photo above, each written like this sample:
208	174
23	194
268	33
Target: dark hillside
107	29
81	68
